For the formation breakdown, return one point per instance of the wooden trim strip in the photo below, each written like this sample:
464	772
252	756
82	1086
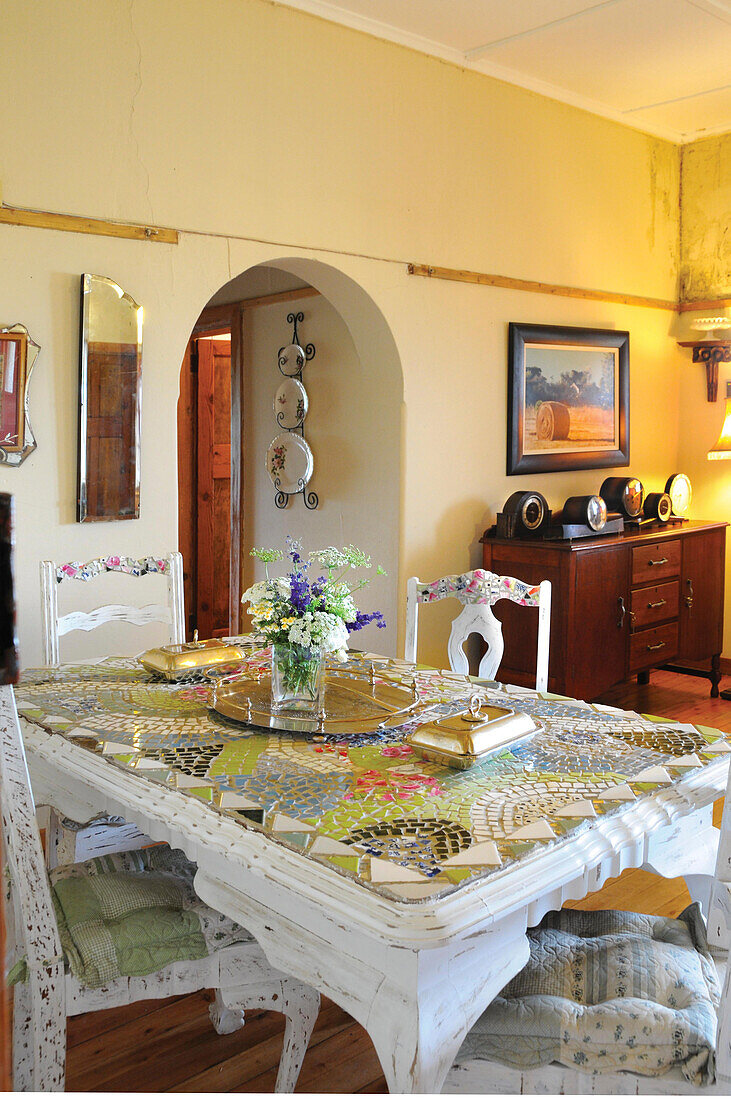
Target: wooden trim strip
709	303
73	223
539	288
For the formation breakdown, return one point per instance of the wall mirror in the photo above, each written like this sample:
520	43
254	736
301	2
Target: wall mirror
18	353
109	402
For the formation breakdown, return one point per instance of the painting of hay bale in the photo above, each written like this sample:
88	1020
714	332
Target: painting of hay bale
568	398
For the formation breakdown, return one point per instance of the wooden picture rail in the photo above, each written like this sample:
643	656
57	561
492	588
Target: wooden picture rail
507	283
73	223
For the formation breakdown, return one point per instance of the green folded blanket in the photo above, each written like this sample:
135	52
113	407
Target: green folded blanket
132	913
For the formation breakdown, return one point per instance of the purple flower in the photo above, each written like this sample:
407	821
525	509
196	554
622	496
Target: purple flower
363	618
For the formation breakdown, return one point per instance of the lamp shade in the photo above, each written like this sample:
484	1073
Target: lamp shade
722	448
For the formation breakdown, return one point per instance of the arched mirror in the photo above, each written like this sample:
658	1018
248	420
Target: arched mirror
109	403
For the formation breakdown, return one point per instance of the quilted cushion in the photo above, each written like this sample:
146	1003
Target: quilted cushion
132	913
607	991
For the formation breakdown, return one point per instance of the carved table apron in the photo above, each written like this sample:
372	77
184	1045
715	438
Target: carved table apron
415	974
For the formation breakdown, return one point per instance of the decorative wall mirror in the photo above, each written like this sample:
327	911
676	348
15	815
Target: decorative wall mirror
18	353
109	402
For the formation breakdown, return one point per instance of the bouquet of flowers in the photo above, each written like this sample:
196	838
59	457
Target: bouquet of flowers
302	617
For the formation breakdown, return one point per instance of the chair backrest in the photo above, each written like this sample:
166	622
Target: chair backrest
38	1055
477	592
53	574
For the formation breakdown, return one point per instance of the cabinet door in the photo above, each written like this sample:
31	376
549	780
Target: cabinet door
701	595
600	622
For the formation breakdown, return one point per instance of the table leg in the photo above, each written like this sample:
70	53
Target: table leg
418	1027
689	850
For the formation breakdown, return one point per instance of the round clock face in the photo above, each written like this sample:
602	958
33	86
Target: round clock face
681	493
664	508
633	496
533	512
596	513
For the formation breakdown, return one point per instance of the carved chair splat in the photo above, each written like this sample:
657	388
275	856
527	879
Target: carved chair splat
478	592
55	626
240	973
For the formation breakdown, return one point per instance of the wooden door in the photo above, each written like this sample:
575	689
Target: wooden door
214	487
601	623
701	594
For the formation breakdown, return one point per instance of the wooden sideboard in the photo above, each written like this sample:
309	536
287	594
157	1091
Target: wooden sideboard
622	605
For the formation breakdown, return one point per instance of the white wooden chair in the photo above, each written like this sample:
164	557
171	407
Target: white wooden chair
239	973
478	591
482	1076
71	844
55	626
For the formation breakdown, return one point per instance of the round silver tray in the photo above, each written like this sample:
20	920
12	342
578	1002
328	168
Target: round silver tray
352	704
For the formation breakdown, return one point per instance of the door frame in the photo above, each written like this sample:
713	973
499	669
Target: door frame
217	321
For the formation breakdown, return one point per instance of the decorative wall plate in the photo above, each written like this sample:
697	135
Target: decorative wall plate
290	403
292	359
289	462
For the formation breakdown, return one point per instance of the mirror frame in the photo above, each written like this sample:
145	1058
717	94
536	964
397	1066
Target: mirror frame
85	475
14	455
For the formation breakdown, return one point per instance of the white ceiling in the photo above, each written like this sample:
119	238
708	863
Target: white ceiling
663	66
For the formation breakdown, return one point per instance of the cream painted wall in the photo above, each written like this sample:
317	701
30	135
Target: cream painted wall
336	144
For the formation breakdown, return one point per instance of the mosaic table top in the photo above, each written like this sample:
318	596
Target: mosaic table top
365	805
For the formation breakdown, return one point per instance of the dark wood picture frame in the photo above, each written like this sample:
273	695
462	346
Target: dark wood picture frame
554	423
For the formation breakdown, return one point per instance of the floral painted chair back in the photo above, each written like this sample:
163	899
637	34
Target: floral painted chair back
478	591
53	574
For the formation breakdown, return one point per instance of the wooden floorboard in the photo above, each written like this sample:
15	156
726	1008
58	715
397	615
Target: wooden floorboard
170	1046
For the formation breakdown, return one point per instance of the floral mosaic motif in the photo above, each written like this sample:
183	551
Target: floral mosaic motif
410	842
135	567
479	586
371	787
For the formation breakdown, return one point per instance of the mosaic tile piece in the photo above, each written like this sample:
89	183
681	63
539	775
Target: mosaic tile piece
621	792
538	830
582	808
484	854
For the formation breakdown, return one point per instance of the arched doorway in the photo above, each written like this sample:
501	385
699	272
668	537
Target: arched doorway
353	426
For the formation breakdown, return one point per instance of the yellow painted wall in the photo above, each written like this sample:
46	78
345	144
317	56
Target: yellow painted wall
705	219
705	273
239	118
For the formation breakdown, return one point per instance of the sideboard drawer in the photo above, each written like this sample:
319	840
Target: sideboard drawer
655	560
655	604
650	647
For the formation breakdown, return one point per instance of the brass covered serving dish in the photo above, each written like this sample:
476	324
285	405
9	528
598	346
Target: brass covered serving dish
185	659
461	740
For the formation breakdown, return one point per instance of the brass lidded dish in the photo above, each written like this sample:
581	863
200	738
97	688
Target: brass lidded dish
176	662
461	740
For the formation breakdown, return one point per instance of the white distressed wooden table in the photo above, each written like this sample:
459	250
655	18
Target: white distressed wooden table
415	974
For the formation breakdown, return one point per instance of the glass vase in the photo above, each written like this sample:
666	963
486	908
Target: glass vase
298	679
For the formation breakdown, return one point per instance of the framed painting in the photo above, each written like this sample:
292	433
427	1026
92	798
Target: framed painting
568	399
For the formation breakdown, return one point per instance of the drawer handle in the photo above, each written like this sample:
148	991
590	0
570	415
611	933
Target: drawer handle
660	561
660	603
660	645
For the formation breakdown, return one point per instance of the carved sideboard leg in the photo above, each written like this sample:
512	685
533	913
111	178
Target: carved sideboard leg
715	675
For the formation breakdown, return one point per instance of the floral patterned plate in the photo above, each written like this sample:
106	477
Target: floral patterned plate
290	403
289	462
292	359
